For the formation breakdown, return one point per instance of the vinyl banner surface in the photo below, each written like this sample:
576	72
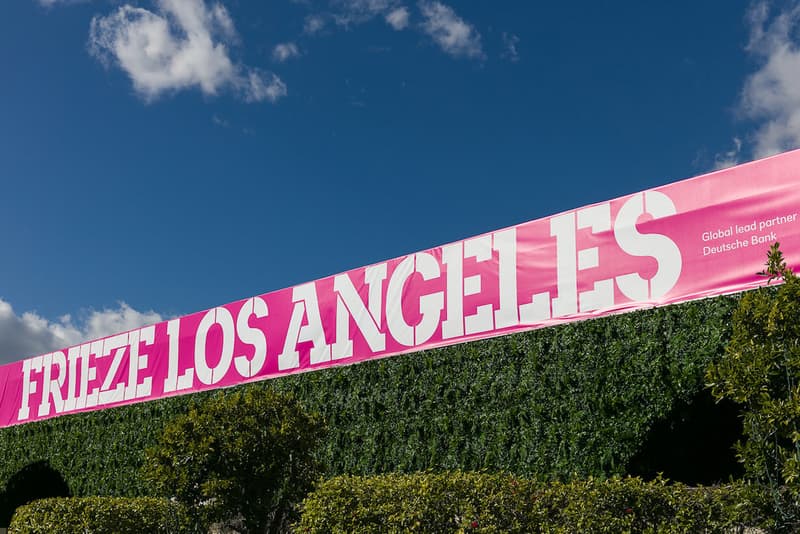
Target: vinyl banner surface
696	238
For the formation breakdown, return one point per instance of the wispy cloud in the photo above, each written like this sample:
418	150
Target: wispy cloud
285	51
222	122
351	12
29	334
453	35
510	42
449	31
771	95
730	158
51	3
183	44
398	18
258	85
314	24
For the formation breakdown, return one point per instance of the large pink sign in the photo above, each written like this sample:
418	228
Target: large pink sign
696	238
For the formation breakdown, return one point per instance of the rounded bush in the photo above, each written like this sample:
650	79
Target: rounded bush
98	515
242	457
456	501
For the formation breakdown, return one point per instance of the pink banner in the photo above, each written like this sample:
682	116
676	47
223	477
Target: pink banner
696	238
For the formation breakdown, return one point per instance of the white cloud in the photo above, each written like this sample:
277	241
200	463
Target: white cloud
453	35
111	321
181	45
397	18
285	51
29	334
771	95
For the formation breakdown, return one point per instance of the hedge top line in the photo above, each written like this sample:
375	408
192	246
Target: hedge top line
696	238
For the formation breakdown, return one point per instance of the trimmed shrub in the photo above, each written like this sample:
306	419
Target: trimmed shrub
457	501
98	515
761	371
243	457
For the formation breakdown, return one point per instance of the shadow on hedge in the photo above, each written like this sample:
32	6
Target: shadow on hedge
36	480
693	444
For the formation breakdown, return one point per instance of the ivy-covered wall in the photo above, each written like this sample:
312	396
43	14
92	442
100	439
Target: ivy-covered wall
577	399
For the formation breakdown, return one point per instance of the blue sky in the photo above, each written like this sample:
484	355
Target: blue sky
160	157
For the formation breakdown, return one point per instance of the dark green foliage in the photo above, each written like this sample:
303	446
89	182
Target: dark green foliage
478	502
245	456
98	515
573	399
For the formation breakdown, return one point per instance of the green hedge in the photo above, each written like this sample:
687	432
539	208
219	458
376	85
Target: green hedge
98	515
574	399
478	502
